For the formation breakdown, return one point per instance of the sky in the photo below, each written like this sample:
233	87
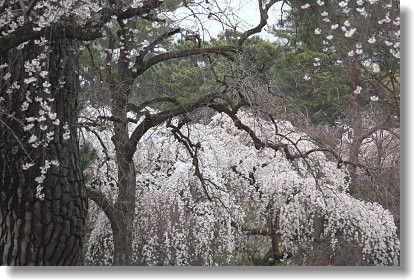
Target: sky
241	13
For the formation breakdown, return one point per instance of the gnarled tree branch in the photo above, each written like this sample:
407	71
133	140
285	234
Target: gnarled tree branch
157	119
104	203
221	50
264	10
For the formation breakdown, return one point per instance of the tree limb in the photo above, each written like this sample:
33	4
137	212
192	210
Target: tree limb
156	119
251	231
138	108
154	43
263	21
258	143
221	50
104	203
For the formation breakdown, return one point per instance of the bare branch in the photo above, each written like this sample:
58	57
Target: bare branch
221	50
368	132
157	119
258	143
154	43
138	108
192	149
264	9
104	203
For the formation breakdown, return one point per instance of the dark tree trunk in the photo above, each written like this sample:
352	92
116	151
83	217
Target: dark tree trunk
125	203
125	213
35	231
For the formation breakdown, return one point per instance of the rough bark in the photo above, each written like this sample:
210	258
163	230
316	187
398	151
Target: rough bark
125	203
125	212
35	231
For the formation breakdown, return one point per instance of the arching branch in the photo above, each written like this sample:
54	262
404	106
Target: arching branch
104	203
264	10
154	43
220	50
258	143
157	119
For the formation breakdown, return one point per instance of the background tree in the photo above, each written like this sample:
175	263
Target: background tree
357	47
133	59
229	97
237	198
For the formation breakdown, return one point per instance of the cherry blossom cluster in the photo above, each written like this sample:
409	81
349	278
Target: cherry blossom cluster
182	220
356	33
42	126
40	120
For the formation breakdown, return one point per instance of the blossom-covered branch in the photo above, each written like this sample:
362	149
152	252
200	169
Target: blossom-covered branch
87	31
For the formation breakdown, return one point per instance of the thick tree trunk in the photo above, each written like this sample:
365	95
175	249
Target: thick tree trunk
125	203
35	231
125	206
